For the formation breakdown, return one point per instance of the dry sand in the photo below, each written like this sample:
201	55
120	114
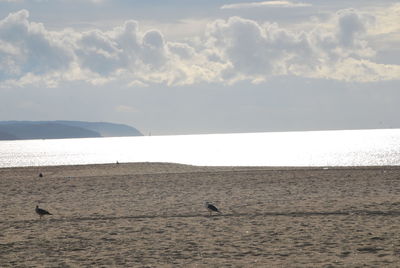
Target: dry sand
152	215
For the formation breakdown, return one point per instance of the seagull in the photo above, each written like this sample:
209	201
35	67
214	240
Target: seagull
41	212
211	208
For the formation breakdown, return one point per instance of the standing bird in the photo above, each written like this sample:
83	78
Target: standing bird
211	208
41	212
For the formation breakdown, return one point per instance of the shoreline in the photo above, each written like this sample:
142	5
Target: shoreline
283	168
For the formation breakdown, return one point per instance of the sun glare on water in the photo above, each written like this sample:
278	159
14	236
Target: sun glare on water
313	148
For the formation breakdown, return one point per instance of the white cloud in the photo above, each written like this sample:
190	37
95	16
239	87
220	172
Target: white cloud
231	50
265	4
125	109
258	51
28	48
137	83
385	32
387	20
350	69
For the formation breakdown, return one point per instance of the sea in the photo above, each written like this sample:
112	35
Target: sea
380	147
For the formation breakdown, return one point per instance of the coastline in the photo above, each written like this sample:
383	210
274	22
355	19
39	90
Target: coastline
152	214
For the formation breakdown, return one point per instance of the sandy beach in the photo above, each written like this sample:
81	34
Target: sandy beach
152	215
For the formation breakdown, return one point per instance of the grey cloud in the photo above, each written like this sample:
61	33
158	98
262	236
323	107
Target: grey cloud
232	50
255	49
184	51
122	48
34	49
153	39
350	24
244	43
28	48
263	50
98	52
154	49
128	40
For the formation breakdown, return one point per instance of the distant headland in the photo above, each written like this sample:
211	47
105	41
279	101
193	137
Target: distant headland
24	130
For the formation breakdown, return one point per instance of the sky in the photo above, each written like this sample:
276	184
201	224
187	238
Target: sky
171	67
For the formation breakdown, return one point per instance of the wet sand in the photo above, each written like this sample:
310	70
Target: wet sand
152	215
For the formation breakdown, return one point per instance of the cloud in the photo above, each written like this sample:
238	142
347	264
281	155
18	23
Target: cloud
285	4
28	48
124	109
258	51
230	50
350	24
386	27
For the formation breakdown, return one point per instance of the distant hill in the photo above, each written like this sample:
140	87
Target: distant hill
105	129
7	136
21	130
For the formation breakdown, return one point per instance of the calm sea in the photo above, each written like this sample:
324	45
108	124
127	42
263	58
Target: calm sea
311	148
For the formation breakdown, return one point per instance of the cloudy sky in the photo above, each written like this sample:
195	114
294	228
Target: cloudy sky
209	66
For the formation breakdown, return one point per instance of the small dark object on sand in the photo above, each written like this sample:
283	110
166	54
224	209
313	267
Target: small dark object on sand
41	212
211	208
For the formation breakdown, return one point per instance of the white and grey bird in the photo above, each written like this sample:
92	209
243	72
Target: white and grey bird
211	208
41	212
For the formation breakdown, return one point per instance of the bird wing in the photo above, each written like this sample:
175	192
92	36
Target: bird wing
43	211
212	207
